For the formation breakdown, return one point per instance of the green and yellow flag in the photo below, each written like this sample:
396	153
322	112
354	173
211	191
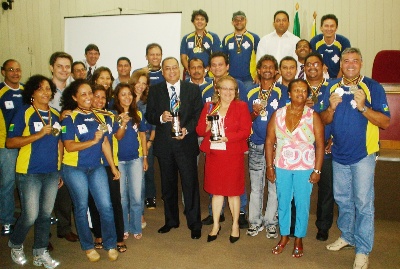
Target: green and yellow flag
296	25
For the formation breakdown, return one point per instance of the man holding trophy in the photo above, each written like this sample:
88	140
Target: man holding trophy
174	106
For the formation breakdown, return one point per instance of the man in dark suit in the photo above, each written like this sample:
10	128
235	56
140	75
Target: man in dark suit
176	153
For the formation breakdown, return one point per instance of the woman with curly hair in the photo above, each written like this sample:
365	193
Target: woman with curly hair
35	131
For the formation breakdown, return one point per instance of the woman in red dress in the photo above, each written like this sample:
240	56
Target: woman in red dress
224	166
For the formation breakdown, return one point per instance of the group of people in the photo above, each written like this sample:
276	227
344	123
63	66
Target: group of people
301	109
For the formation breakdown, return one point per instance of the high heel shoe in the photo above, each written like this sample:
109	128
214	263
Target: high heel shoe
211	238
233	239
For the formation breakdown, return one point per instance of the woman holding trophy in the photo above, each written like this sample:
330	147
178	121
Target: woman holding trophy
225	125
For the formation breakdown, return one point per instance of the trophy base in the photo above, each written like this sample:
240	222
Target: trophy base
176	134
215	138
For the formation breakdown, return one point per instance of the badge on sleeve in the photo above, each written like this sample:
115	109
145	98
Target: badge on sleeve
82	129
38	126
9	104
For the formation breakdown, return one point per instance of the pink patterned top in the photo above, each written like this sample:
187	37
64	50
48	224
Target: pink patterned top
295	151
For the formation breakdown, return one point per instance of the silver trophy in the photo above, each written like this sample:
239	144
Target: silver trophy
176	125
215	134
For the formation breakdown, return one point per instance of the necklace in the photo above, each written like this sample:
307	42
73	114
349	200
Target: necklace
292	120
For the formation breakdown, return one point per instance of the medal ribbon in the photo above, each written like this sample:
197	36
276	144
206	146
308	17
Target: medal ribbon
239	43
316	91
266	95
40	116
214	108
87	111
199	39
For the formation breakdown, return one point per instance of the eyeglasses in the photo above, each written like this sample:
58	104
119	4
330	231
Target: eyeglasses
227	89
16	70
316	64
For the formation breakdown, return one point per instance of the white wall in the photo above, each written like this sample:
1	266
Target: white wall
33	29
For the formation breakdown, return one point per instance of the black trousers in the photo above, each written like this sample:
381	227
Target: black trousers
325	197
63	211
186	165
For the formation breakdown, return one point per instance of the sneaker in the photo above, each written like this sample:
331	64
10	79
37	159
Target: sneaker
7	229
338	245
271	232
254	229
151	203
46	260
361	261
243	223
18	255
209	219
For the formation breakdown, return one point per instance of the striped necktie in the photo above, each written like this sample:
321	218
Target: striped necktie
301	73
89	74
174	103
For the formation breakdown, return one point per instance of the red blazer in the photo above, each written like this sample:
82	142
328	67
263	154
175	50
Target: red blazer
237	126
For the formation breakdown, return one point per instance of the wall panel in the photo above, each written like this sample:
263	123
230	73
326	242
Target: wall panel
32	30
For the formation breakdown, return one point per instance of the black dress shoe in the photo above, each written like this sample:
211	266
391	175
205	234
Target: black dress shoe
322	235
166	229
71	237
196	234
211	238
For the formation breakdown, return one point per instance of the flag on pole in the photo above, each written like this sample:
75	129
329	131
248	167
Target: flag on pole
314	26
296	25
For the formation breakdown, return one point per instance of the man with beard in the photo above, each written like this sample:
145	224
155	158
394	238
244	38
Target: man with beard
241	47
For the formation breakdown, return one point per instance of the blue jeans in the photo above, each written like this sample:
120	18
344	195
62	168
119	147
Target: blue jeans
81	180
257	181
353	189
38	193
132	190
8	158
293	184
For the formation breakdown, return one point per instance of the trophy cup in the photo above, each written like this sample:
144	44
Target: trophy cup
176	125
215	134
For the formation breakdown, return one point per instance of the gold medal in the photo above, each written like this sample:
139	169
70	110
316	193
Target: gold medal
55	131
196	50
263	113
239	50
263	103
353	89
103	127
314	99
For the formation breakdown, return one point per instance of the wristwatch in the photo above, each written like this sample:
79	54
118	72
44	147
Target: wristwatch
363	109
318	172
